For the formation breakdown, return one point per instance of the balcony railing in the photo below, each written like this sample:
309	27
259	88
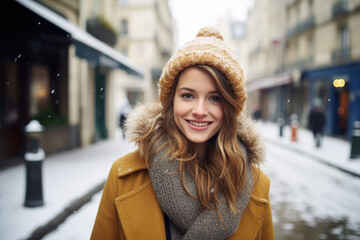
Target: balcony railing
339	8
301	27
341	54
298	64
100	28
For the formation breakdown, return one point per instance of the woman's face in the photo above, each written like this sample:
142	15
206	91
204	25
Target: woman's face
198	112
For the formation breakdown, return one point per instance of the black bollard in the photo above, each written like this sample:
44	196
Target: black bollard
281	123
355	141
34	157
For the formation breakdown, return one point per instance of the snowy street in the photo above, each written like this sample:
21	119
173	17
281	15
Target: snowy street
310	200
135	90
314	192
67	176
78	225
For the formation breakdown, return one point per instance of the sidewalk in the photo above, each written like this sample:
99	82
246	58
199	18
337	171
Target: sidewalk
333	152
69	180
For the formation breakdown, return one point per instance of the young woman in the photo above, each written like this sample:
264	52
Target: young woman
195	174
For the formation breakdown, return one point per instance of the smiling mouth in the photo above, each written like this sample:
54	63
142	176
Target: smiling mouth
199	124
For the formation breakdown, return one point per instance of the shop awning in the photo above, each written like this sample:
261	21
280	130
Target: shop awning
272	81
87	46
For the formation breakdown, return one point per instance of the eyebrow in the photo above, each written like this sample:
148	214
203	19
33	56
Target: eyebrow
186	89
192	90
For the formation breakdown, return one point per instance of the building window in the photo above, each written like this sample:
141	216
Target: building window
124	27
339	8
344	38
39	90
343	49
310	49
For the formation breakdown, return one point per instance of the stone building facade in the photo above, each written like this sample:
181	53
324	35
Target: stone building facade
59	65
298	50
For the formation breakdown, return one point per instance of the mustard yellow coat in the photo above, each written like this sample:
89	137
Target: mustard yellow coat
129	208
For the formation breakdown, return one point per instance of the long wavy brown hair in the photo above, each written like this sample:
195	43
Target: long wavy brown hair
223	169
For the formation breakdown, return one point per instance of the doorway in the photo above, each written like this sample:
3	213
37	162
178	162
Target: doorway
100	106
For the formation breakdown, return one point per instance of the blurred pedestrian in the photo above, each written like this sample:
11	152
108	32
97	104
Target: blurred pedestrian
124	111
195	174
317	121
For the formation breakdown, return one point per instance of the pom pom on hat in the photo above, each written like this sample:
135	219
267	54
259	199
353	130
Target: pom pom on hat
209	32
209	49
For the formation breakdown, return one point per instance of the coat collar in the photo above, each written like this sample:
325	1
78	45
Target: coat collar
142	118
131	164
137	206
141	215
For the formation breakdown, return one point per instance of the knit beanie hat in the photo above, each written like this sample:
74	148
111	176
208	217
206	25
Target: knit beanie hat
209	49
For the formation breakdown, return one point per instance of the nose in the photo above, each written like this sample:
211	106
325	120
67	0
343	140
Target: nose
200	108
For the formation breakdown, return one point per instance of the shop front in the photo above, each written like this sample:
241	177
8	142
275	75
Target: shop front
339	89
39	79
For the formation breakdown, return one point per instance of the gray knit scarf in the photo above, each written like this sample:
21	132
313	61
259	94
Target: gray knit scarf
188	219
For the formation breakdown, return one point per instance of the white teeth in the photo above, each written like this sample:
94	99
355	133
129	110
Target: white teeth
203	124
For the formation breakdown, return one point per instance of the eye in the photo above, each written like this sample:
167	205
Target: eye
187	95
215	99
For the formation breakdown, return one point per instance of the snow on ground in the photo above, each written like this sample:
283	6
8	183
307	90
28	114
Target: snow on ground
334	151
323	192
313	190
80	224
66	177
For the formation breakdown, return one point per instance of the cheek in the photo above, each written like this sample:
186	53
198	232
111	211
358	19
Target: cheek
178	112
219	112
180	107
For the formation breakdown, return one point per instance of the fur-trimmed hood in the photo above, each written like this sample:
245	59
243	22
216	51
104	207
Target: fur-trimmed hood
142	117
